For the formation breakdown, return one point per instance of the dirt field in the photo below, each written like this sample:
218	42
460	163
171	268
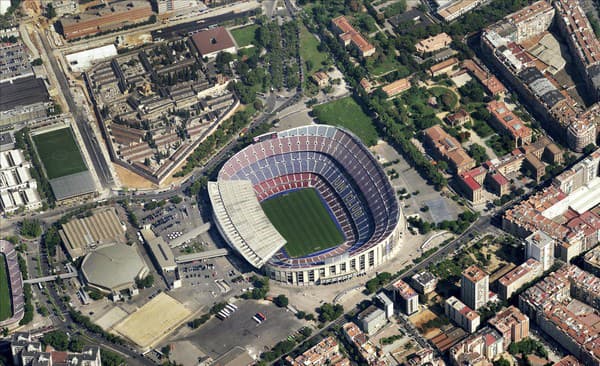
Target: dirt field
129	179
166	314
423	317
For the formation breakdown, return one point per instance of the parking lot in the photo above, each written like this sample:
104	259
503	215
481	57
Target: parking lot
215	338
170	220
418	193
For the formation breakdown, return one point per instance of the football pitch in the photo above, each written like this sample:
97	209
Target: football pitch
303	220
59	153
5	308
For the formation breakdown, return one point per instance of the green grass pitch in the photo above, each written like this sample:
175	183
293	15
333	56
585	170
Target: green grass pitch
303	220
5	307
347	113
59	153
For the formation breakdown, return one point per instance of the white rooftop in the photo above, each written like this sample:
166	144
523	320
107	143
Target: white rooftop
242	221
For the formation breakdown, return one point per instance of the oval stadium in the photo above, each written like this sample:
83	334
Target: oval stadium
310	205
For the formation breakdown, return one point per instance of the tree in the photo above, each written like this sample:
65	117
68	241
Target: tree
110	358
37	62
50	11
175	199
145	282
478	153
328	312
588	149
57	339
31	228
281	301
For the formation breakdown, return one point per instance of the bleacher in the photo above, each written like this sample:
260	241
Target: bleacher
334	162
16	283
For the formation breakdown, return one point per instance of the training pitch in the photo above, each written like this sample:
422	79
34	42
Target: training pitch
303	220
5	308
59	153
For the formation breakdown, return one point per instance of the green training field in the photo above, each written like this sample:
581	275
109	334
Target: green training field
244	36
5	307
304	222
59	153
347	113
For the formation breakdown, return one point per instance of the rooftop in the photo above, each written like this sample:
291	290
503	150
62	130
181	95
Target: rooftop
474	274
212	40
404	289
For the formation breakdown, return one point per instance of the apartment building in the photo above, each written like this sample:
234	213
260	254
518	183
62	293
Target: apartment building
397	87
349	36
433	43
28	351
591	261
363	345
519	276
564	305
461	314
326	352
475	287
406	297
485	345
424	282
372	319
448	148
540	246
509	123
512	324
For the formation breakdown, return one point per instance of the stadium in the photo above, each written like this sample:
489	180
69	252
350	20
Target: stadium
310	205
12	301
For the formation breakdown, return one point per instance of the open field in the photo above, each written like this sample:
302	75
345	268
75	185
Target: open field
59	153
304	222
5	308
244	36
166	314
309	51
347	113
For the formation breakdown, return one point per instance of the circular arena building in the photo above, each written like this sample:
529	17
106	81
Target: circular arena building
311	205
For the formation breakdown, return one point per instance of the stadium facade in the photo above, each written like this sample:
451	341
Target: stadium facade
349	180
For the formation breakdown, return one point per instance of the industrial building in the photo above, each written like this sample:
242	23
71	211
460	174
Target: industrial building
17	188
210	42
82	235
22	100
104	18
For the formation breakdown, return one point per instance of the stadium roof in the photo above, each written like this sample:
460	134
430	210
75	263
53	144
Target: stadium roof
113	267
243	222
22	92
73	185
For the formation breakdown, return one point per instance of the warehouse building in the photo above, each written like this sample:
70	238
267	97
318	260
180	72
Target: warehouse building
83	235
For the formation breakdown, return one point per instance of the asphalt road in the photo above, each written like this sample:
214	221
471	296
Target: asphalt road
89	139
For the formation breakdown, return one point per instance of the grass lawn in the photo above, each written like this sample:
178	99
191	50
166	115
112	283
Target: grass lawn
390	64
59	153
5	308
438	91
304	222
309	51
347	113
244	36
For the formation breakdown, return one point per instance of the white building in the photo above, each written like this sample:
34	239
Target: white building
540	246
17	188
475	287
